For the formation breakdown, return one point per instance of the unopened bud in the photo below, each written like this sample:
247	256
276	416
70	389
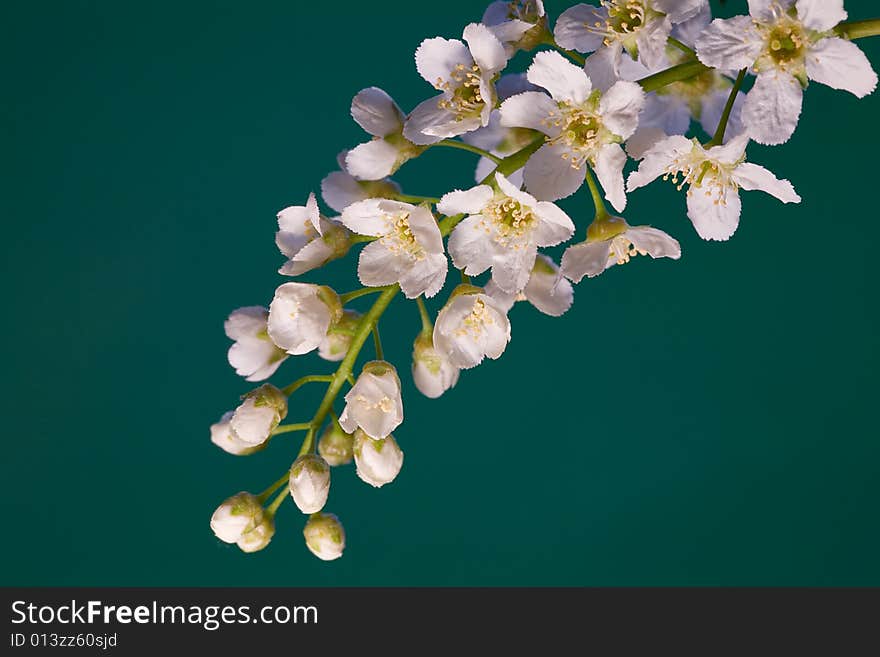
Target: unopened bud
242	520
325	536
310	483
378	460
336	446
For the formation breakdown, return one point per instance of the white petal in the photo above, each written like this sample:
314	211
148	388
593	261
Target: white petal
841	65
471	246
549	177
339	190
298	319
509	32
511	84
424	277
372	160
311	256
690	30
821	15
657	159
423	226
755	177
376	112
669	114
486	49
527	110
772	108
609	171
424	121
712	220
560	77
555	227
620	107
256	360
247	322
367	217
571	28
763	10
504	300
653	240
469	201
680	10
651	42
585	259
512	267
731	152
547	290
377	265
496	13
730	44
509	189
437	57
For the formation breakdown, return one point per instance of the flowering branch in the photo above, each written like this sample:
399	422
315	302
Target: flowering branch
540	136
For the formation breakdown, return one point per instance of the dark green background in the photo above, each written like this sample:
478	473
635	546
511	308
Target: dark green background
708	421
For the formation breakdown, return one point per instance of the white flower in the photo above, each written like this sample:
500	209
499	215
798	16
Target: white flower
517	24
377	113
308	239
785	44
258	415
325	536
546	290
583	126
310	482
300	315
641	27
714	177
224	437
340	189
378	461
432	373
253	355
502	231
470	327
374	403
241	520
335	344
612	241
464	74
409	250
336	446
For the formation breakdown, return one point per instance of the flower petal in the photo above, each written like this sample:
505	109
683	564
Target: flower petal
772	108
471	246
560	77
609	170
372	160
620	107
376	112
585	259
555	227
339	190
527	110
469	201
654	241
713	220
763	10
821	15
730	44
572	29
755	177
436	58
550	177
486	49
512	267
680	10
657	159
378	265
366	217
841	65
427	122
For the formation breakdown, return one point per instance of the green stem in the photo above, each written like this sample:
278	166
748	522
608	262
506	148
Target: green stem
448	223
859	29
462	146
308	442
687	50
673	74
728	108
357	342
427	324
354	294
278	484
377	342
596	193
515	161
415	200
272	509
289	428
312	378
465	279
358	239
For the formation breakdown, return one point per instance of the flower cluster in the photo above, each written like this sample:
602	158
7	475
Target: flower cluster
610	82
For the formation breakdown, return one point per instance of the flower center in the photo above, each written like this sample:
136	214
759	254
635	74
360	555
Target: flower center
474	325
785	42
524	10
703	174
386	404
580	131
622	250
625	18
509	220
400	239
463	92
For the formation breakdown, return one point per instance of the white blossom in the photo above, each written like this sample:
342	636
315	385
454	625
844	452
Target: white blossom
335	344
378	462
546	290
258	415
308	239
300	316
377	113
224	437
310	482
470	327
517	23
640	27
502	231
785	43
374	402
339	189
432	372
409	250
464	76
611	241
714	177
253	355
242	520
583	127
325	536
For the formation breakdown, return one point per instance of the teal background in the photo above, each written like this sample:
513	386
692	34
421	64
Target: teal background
701	422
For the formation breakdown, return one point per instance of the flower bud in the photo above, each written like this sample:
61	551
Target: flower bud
432	372
310	482
325	536
258	415
224	437
259	537
374	403
300	315
336	446
378	461
237	515
335	345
